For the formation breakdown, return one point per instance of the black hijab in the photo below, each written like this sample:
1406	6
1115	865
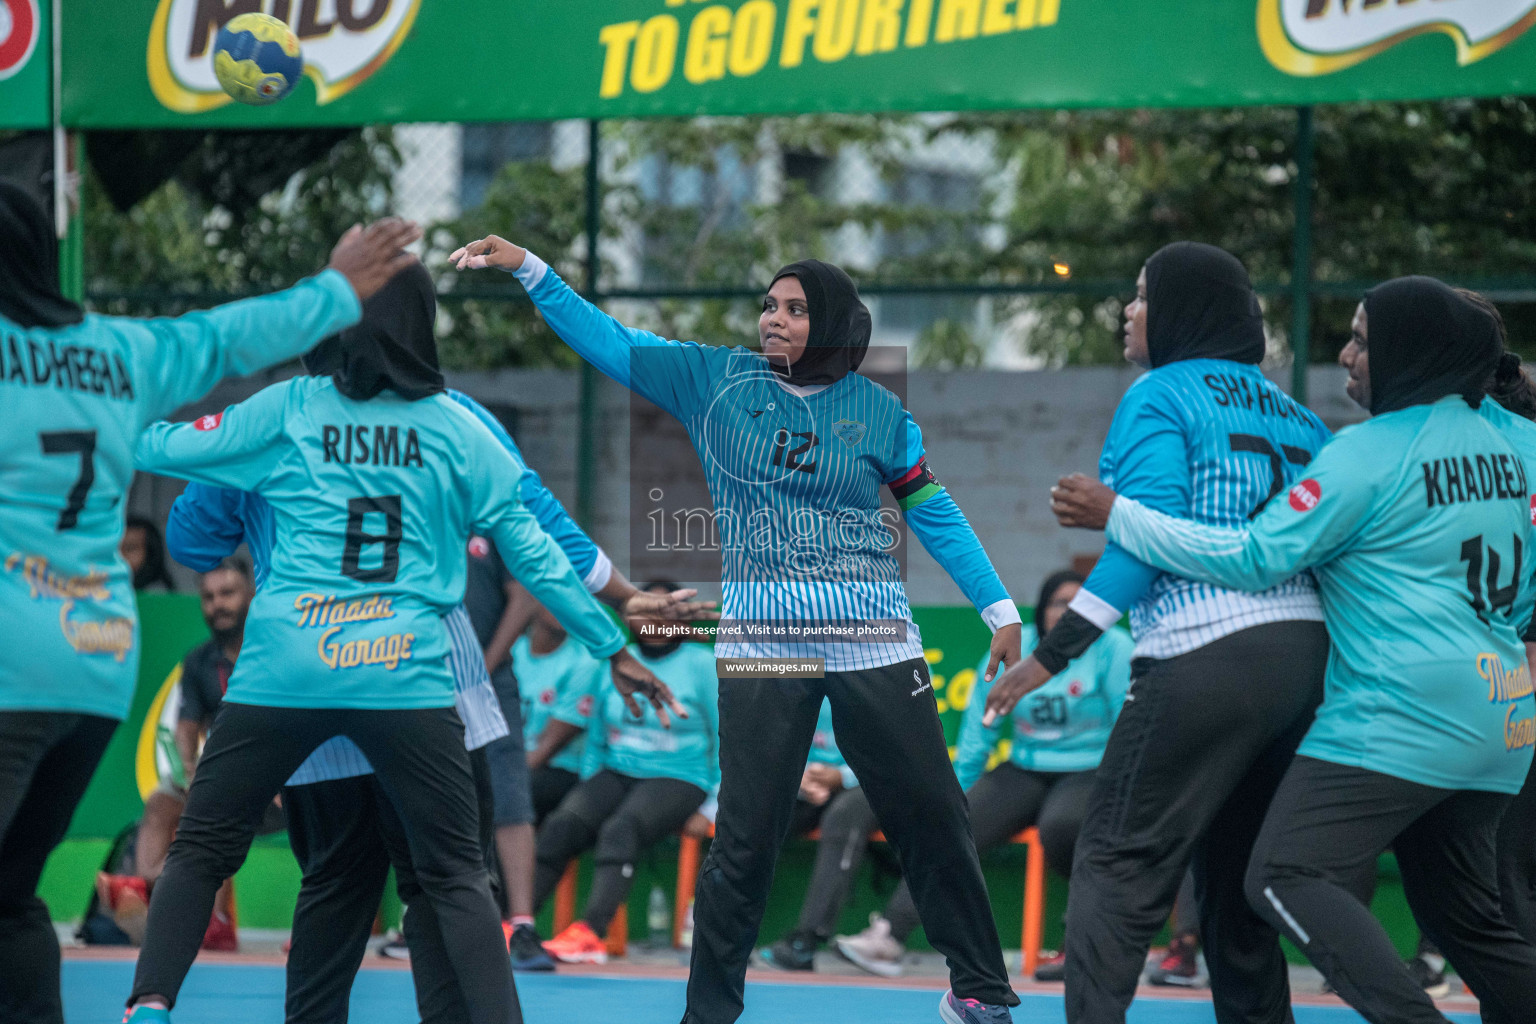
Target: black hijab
391	347
1426	342
1201	305
840	324
29	264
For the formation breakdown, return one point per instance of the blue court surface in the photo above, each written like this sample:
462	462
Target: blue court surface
253	994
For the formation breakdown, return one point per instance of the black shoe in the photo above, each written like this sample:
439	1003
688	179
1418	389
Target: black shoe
1052	967
394	947
796	953
1428	977
527	950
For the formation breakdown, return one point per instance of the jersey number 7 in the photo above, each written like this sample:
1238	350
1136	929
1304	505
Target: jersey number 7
73	442
1261	446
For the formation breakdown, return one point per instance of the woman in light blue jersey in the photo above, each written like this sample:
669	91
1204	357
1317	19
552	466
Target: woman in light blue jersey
641	781
376	479
77	389
559	683
797	448
1058	738
1224	681
1417	524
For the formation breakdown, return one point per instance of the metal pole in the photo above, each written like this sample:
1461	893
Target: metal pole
67	151
1301	254
586	430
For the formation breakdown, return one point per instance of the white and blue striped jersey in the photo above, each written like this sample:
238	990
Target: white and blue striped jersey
1213	441
796	475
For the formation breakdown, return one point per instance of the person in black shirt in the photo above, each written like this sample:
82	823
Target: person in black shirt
225	594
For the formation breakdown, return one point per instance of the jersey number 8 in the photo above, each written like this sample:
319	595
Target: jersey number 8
358	538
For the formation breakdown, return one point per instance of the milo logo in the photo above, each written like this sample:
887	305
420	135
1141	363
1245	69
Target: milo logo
1319	37
20	22
344	41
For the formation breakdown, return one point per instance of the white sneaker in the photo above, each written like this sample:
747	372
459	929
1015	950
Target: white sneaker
873	949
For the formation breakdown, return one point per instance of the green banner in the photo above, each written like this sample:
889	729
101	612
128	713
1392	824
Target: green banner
148	63
26	41
170	625
954	639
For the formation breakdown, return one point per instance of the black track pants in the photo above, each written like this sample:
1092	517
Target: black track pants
419	760
1199	748
888	728
1328	823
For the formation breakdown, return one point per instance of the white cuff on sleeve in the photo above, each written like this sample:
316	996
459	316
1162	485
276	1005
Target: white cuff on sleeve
1000	613
532	271
850	780
600	573
1095	609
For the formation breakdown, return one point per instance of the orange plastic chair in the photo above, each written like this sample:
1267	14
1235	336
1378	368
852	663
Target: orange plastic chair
1034	890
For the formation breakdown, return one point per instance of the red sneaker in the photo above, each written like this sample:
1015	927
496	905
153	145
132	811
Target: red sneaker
1179	967
126	899
112	889
578	944
1051	966
220	936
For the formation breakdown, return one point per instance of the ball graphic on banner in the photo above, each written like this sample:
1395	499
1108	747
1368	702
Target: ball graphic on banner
256	59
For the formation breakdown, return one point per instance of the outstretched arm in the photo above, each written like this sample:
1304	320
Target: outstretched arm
1317	520
238	448
674	375
179	360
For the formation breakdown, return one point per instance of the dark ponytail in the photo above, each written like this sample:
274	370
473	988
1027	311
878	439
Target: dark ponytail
1510	385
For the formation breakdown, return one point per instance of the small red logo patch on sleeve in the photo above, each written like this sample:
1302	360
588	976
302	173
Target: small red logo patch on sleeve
209	422
1533	510
1306	495
584	706
479	547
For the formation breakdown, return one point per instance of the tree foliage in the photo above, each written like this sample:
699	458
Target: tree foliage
720	203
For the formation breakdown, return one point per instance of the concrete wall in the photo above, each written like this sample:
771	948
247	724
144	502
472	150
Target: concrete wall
997	440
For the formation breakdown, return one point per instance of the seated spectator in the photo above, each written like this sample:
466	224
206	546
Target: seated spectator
143	549
558	682
225	594
1059	734
641	781
830	799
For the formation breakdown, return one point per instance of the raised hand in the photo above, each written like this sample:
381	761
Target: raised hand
369	257
489	253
